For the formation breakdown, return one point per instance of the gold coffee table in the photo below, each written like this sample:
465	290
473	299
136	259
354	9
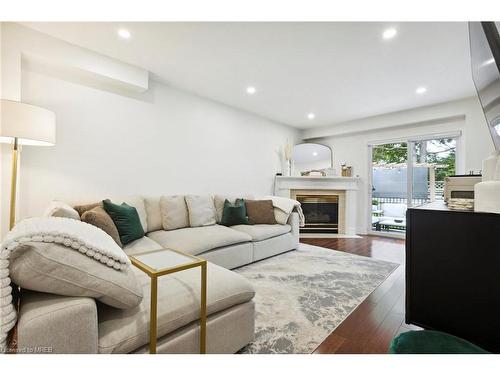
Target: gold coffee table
162	262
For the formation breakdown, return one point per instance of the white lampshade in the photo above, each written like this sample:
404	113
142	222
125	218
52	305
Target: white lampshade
30	124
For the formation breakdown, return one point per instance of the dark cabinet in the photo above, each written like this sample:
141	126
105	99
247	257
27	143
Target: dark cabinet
453	273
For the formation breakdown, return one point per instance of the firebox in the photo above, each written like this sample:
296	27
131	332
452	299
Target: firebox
321	213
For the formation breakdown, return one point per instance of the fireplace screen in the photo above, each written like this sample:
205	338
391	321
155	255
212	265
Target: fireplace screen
321	213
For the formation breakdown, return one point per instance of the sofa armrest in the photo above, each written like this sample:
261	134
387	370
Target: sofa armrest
293	221
49	323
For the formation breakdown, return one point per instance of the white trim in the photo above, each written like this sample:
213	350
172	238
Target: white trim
460	155
422	137
369	189
429	137
409	173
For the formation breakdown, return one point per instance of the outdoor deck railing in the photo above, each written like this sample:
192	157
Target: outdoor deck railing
439	189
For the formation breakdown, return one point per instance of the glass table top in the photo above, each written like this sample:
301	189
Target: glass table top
164	259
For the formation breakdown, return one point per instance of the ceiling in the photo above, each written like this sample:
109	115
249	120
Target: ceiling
339	71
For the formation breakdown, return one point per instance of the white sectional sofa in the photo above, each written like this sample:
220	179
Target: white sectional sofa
76	324
229	247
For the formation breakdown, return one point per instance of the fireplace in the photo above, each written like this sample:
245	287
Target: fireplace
343	189
321	213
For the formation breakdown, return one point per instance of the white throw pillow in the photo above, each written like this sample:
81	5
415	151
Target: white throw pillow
174	212
201	210
61	209
153	213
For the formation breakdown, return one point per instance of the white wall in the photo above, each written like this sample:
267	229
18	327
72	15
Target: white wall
161	142
349	141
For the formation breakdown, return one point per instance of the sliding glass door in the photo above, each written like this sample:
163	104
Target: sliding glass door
432	161
405	174
389	187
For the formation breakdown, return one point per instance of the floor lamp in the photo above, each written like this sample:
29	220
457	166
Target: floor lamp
24	124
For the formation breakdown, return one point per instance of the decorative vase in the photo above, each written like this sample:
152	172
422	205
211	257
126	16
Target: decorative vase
490	168
288	166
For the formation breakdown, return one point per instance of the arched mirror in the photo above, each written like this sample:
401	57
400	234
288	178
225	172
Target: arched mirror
312	159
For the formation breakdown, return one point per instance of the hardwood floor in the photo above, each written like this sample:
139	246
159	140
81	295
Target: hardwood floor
373	324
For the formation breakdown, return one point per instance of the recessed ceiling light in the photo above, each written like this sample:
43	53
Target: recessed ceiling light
421	90
251	90
389	33
311	116
124	33
315	153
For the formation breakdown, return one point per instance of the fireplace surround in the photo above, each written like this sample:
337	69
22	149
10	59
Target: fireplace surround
344	189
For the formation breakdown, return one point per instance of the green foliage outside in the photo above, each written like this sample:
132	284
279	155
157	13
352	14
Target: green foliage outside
437	151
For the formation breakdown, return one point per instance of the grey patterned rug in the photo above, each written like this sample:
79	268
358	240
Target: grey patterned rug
303	295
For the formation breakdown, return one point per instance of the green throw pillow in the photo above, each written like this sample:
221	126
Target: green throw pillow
126	219
234	214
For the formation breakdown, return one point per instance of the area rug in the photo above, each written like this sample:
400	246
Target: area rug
303	295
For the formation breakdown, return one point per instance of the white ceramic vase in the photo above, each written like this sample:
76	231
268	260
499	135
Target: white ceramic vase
491	170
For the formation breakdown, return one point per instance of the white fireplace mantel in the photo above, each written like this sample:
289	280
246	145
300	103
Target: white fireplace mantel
346	186
283	184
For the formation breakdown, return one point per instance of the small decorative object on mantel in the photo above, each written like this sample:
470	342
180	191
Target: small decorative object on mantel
287	152
314	172
346	170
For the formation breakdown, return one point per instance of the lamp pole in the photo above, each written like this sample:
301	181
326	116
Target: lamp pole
15	151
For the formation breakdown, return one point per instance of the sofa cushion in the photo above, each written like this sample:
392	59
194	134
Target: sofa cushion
48	320
82	208
261	232
137	202
99	218
141	245
396	210
61	209
260	211
122	331
219	203
126	219
174	212
54	268
234	214
132	200
153	213
201	210
200	239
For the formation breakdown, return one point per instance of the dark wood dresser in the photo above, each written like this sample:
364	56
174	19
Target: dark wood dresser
453	273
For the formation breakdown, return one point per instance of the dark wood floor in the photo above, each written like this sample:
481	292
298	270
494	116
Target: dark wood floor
372	325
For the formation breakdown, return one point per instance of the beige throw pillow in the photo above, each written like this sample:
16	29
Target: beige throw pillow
201	210
81	209
174	212
57	269
99	218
